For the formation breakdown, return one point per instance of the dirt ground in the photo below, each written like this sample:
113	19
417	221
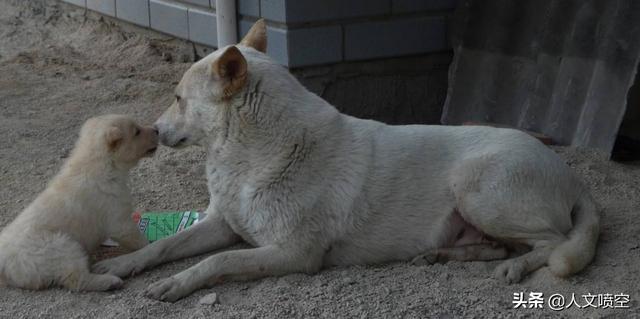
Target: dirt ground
59	66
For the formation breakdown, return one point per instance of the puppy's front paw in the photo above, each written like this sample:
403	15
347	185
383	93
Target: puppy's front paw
168	289
122	266
112	283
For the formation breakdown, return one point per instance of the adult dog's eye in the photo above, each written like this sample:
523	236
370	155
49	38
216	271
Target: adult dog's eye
137	131
181	105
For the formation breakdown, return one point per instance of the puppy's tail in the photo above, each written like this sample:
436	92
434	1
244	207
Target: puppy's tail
578	250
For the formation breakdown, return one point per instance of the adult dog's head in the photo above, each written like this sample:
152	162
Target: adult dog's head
203	96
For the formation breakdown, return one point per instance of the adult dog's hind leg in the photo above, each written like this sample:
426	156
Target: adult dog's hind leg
514	269
208	235
242	264
516	203
473	252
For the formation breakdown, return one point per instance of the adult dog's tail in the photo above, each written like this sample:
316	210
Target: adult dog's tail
578	250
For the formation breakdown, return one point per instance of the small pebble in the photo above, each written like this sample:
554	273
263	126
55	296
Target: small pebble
209	299
348	281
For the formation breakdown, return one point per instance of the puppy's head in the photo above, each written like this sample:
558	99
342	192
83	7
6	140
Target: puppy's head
119	138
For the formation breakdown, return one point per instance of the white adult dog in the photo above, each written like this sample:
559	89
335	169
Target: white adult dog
309	187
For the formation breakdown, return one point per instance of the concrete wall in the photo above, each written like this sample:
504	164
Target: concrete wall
192	20
302	32
377	59
312	32
408	90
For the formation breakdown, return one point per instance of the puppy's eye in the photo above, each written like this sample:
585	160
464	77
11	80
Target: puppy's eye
178	98
137	132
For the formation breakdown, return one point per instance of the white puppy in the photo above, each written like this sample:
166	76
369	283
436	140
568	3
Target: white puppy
310	187
88	201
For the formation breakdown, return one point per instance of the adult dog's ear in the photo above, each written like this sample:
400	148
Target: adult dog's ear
231	70
257	37
114	137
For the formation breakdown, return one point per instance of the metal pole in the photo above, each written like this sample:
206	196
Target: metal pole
226	22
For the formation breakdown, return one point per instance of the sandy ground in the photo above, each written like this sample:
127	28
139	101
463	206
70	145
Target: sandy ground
60	66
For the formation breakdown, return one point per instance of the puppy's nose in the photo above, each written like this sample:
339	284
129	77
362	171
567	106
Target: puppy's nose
155	130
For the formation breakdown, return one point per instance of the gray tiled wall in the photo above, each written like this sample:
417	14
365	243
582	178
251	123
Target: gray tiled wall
302	32
405	6
107	7
169	17
134	11
394	37
82	3
202	3
248	7
320	45
297	11
202	27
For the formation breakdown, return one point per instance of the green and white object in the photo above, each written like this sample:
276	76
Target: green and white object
158	225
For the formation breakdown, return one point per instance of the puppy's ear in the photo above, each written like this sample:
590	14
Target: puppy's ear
114	137
231	69
256	37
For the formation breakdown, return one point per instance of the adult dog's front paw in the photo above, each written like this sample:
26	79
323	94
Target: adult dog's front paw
169	289
428	258
510	271
121	266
